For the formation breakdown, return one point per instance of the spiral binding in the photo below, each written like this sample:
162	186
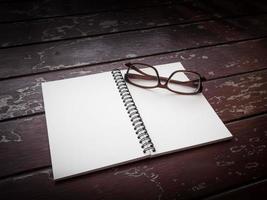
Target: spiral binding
137	122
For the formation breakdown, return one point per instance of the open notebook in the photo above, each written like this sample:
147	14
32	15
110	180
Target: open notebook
90	129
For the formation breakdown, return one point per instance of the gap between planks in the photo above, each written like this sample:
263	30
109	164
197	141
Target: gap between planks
208	80
33	171
45	64
210	19
237	189
159	4
137	57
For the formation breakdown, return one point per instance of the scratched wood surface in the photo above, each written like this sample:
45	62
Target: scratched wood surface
23	96
78	52
253	191
189	174
52	29
249	89
11	11
49	40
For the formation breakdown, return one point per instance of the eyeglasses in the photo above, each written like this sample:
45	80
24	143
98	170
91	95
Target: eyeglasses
181	81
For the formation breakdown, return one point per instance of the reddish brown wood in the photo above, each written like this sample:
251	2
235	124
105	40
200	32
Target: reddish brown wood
247	192
86	25
238	97
225	60
25	144
52	29
240	92
29	10
22	96
74	53
189	174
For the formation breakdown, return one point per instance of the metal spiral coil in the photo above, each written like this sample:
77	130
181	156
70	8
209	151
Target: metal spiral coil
137	122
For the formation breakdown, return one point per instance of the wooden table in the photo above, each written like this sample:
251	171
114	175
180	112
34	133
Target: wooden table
49	40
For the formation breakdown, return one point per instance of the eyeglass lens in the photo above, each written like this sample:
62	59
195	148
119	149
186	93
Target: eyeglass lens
143	76
185	82
181	82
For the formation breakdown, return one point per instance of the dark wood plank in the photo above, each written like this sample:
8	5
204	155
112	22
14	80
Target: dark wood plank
17	11
88	51
238	96
53	29
232	98
109	22
29	10
247	192
13	138
221	8
22	96
189	174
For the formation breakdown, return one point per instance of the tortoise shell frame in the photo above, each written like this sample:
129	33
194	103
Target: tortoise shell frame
196	82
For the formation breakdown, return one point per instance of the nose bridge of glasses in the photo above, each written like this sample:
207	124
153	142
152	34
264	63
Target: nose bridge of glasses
163	81
162	85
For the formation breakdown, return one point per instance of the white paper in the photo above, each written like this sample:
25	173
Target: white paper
177	122
88	126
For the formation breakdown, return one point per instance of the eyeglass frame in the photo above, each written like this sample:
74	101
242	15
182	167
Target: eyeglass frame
159	78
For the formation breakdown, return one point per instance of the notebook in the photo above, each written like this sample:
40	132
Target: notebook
90	128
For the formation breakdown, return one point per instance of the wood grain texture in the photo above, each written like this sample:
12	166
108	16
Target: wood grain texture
26	144
189	174
53	29
88	51
247	192
225	41
29	10
240	96
22	96
87	25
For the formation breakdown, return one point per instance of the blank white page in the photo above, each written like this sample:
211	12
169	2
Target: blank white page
177	122
88	126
